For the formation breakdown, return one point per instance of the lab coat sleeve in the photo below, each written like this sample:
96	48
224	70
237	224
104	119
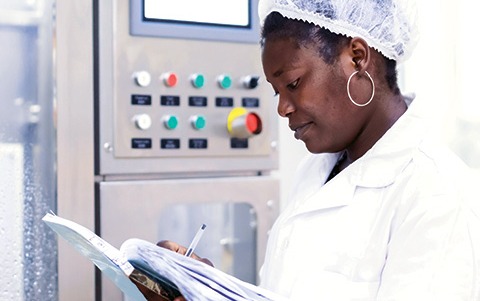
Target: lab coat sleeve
430	254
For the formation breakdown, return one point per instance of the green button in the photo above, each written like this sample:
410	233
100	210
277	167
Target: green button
171	122
198	80
225	81
199	122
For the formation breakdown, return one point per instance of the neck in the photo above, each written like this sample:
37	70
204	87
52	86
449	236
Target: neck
384	115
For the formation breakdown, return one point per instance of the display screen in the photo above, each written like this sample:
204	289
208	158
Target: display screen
231	13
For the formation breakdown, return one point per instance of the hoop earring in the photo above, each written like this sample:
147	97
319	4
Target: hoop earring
350	96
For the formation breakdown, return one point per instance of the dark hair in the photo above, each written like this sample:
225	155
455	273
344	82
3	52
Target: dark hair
329	44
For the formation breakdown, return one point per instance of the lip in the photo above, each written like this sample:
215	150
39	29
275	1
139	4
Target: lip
300	129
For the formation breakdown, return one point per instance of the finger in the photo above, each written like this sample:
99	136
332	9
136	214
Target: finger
204	260
167	244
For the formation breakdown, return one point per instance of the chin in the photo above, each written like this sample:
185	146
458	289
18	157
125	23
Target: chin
313	149
319	149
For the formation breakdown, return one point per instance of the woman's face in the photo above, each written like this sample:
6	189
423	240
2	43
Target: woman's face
312	95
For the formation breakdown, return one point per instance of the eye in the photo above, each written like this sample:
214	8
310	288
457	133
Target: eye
293	85
275	92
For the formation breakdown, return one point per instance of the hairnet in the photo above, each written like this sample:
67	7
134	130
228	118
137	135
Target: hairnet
386	25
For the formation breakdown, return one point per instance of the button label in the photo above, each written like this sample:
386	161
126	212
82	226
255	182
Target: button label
197	101
197	143
170	143
250	102
141	100
239	143
141	143
169	100
224	102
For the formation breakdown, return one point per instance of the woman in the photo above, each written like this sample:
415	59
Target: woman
376	212
375	215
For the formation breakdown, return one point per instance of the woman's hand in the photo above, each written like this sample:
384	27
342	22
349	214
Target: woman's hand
152	296
182	250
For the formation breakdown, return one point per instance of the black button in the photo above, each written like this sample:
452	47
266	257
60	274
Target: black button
253	82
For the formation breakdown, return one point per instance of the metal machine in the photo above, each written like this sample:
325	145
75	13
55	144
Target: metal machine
186	130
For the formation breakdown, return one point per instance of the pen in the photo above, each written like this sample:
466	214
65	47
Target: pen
195	240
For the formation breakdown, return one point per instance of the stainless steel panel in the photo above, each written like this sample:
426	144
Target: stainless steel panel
75	140
238	210
123	54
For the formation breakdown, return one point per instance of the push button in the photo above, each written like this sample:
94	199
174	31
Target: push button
251	81
224	81
169	79
170	122
142	78
197	80
198	122
142	121
243	124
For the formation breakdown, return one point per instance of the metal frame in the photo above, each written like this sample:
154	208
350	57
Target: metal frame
75	140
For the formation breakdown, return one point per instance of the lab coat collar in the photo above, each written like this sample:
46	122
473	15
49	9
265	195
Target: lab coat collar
379	167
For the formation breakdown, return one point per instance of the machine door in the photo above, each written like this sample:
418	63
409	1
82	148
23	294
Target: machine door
238	212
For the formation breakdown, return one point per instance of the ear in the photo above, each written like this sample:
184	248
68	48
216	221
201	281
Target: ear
360	54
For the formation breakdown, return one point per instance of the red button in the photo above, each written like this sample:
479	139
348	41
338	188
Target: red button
170	79
253	123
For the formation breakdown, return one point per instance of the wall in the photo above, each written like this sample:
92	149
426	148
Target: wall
443	71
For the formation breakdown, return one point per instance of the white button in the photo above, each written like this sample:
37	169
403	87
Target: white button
142	78
142	121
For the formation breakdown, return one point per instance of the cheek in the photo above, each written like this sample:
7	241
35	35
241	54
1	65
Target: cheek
325	99
327	112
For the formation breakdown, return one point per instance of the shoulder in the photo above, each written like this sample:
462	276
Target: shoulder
439	168
435	185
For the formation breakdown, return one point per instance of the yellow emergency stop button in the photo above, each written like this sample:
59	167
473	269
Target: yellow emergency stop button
243	124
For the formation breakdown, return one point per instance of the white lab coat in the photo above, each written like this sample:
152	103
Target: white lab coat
391	226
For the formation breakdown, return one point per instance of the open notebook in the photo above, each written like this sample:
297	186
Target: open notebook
161	270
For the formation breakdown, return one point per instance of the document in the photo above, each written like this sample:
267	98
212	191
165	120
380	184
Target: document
160	270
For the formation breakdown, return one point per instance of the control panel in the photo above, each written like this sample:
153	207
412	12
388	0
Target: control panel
191	113
180	91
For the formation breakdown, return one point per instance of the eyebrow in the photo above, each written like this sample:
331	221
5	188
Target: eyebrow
278	73
291	66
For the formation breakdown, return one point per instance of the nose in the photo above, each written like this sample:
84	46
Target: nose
285	106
